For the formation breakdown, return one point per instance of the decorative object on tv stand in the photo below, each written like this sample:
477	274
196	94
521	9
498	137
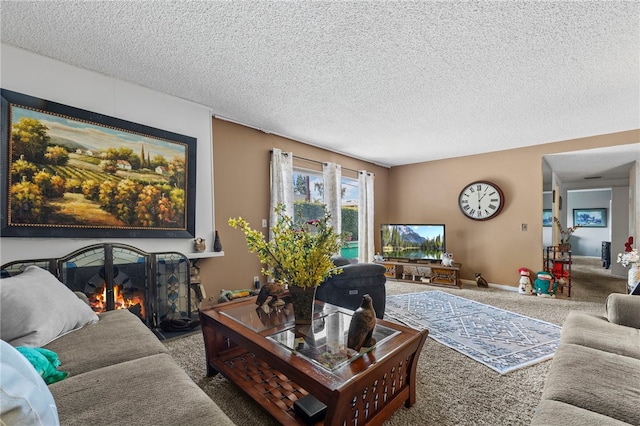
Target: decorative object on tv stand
481	200
565	234
447	259
199	245
298	255
217	245
362	325
631	258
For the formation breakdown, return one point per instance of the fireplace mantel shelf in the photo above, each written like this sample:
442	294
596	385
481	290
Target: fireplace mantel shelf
204	254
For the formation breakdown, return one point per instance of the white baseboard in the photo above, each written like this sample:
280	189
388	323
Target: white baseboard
499	286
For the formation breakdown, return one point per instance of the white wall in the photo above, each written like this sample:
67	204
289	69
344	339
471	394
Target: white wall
41	77
621	209
588	241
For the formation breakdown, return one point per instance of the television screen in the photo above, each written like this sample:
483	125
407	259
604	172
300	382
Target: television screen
413	242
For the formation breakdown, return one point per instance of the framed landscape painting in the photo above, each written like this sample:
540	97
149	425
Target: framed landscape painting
590	218
68	172
547	217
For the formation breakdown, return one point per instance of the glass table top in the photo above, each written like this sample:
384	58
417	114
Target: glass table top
325	340
260	318
325	343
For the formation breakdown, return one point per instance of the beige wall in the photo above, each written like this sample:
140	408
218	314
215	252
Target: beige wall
241	186
424	192
428	192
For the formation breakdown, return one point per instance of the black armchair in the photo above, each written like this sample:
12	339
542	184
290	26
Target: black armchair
356	280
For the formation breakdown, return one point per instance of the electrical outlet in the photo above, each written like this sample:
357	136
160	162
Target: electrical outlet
523	227
264	223
256	278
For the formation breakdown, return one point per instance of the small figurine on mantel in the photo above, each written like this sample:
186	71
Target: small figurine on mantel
362	324
199	245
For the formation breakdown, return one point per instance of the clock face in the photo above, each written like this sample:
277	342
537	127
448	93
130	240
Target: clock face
481	200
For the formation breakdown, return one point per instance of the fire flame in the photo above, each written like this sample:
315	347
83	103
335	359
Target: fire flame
99	300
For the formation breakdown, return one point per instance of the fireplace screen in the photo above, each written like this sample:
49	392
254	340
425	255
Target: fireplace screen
111	277
154	286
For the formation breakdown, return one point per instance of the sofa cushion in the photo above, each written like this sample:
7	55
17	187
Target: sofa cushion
553	413
151	390
623	309
596	332
118	336
37	308
595	380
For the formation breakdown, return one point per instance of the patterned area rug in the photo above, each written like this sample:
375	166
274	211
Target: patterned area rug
503	341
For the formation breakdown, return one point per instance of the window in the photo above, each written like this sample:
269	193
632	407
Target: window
308	199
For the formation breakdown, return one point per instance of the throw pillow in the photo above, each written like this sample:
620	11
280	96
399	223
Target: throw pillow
36	309
25	399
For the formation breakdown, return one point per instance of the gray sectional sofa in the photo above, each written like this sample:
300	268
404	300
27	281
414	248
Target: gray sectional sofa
594	377
120	373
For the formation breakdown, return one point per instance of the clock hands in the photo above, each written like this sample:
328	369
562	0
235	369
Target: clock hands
483	195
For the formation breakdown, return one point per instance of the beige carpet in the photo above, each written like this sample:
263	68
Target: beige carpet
452	388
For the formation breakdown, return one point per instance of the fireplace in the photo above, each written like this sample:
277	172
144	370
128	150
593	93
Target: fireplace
122	286
154	286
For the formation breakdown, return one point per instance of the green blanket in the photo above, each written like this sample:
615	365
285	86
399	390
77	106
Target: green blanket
45	362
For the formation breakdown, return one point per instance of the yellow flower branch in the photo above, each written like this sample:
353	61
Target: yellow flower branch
299	253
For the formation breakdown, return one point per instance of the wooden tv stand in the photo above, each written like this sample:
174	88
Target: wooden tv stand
423	272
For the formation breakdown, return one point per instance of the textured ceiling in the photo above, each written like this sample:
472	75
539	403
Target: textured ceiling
389	82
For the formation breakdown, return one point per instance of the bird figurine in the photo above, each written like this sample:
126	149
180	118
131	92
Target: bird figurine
481	281
273	290
362	324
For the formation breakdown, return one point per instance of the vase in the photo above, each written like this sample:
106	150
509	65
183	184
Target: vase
633	276
564	247
302	300
217	245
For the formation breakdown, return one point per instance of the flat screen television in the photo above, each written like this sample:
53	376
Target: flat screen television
412	242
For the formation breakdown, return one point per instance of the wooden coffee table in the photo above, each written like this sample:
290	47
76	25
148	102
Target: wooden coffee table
253	348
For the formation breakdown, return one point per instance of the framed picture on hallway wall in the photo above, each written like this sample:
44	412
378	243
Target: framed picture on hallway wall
69	173
547	217
590	218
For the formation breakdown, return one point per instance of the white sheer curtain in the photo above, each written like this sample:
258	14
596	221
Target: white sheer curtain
332	177
281	184
365	217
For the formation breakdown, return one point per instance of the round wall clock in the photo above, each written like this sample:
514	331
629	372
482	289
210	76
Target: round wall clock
481	200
